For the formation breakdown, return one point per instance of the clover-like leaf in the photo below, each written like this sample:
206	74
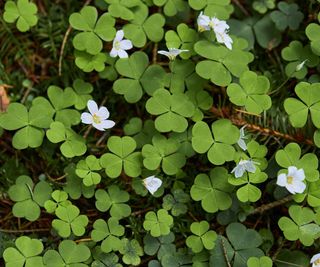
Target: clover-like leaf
69	254
122	157
86	170
28	124
171	7
69	221
93	30
88	62
109	233
61	101
163	152
222	62
122	9
300	226
138	77
296	53
176	202
288	15
201	99
102	259
74	186
245	243
298	110
312	32
82	93
26	253
172	110
141	133
159	223
215	142
73	144
259	262
60	198
131	251
266	32
182	76
202	237
290	156
289	257
28	197
143	27
161	245
251	93
23	11
184	38
213	191
185	142
113	200
249	192
262	6
221	9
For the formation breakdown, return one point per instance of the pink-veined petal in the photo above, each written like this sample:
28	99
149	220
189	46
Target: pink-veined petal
125	44
92	106
86	118
103	113
282	179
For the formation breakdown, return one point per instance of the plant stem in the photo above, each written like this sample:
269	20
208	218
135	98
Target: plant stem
271	205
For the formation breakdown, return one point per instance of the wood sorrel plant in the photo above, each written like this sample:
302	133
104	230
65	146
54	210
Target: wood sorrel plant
159	133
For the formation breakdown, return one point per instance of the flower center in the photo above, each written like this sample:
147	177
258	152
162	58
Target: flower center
117	45
212	24
290	179
96	119
317	262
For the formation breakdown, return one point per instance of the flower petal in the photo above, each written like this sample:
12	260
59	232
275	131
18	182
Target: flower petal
315	257
300	175
152	183
125	44
122	54
113	52
292	170
98	126
242	144
299	187
119	35
103	113
282	179
86	118
107	124
92	106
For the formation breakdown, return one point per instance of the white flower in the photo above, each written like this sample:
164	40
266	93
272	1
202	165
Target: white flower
218	26
97	116
152	183
315	260
173	52
300	66
203	22
244	165
293	181
120	46
241	142
224	38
